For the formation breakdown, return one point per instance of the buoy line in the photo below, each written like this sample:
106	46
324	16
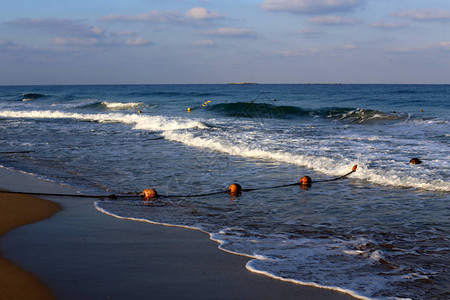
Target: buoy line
234	189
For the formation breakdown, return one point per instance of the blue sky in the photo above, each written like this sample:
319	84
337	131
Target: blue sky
207	41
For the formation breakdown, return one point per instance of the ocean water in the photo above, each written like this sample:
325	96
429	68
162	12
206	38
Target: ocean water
380	233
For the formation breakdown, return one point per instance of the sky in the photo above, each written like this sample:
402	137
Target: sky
222	41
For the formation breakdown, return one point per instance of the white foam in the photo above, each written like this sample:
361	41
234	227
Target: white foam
249	267
319	163
322	164
255	257
152	123
122	105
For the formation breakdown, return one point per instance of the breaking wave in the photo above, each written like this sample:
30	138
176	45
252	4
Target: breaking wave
266	110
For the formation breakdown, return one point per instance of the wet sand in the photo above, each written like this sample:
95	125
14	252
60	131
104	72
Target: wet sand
15	211
80	253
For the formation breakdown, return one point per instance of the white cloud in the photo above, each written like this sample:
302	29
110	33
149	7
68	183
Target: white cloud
230	32
200	13
424	15
333	20
311	6
193	15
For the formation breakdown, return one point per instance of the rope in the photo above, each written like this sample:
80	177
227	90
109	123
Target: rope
261	188
14	152
112	196
131	195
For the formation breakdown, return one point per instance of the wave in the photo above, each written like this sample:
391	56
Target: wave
170	127
174	94
271	111
322	164
32	96
113	106
143	122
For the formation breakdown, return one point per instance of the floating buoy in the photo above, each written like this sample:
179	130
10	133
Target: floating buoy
149	194
188	109
305	180
234	189
415	161
139	112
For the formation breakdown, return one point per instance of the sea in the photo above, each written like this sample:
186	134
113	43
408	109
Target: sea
381	232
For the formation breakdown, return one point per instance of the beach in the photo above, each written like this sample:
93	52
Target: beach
378	233
79	253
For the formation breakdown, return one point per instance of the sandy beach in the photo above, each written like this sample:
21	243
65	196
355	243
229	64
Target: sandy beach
79	253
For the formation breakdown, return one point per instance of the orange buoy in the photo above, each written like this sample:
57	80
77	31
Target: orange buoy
354	168
305	180
149	194
234	189
415	161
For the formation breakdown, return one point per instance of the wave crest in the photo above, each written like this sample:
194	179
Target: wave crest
271	111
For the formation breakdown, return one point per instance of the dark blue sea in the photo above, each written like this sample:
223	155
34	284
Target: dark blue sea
380	233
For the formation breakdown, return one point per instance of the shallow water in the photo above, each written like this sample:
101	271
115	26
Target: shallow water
380	233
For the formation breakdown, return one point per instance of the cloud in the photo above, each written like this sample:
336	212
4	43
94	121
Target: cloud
193	15
77	33
9	46
123	33
385	25
59	41
138	42
311	6
308	31
59	26
443	46
297	53
153	16
205	43
77	41
333	20
315	51
230	32
200	13
424	15
348	47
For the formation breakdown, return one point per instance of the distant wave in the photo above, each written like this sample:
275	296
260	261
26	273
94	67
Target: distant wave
265	110
114	106
32	96
174	94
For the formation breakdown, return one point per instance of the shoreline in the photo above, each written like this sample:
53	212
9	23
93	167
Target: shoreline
15	211
82	253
